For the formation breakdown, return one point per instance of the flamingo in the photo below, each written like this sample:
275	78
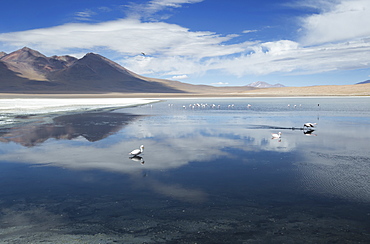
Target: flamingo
275	136
136	152
309	125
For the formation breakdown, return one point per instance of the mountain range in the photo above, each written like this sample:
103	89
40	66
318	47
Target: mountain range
28	71
364	82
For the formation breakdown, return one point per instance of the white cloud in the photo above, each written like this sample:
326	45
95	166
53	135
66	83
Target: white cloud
165	65
248	31
149	9
220	83
85	15
105	9
180	77
342	21
271	57
126	36
161	4
317	5
289	57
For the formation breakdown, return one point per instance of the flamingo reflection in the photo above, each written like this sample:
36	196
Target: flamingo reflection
137	159
309	132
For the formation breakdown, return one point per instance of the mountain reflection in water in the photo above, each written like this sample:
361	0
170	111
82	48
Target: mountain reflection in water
92	126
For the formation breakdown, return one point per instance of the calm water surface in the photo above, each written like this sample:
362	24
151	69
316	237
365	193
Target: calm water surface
210	173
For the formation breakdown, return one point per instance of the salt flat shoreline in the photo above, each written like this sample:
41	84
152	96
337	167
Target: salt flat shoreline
24	106
309	91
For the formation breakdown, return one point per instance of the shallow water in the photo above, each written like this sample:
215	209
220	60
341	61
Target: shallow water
210	173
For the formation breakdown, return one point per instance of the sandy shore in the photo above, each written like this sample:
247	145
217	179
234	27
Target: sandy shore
331	90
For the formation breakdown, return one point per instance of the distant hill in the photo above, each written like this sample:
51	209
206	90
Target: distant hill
364	82
261	84
28	71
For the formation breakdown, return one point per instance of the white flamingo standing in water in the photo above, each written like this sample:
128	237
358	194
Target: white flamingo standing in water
276	136
136	152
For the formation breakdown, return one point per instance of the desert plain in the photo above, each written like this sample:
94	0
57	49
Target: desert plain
325	90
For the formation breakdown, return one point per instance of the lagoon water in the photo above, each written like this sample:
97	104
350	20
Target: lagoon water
210	173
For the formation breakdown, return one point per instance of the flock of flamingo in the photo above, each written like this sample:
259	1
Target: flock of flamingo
214	106
206	105
307	127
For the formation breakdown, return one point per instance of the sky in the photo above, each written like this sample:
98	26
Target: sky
212	42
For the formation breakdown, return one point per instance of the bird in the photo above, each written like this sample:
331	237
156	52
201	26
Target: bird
136	152
275	136
309	125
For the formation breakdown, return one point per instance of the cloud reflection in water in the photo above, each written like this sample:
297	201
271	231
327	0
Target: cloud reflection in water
173	141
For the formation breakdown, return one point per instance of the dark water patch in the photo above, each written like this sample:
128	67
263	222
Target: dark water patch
24	116
271	127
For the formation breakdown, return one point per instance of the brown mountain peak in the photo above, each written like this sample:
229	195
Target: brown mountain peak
21	55
65	60
90	56
26	49
31	64
101	64
31	52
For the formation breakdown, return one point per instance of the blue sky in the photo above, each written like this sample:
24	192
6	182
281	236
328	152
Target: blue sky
214	42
